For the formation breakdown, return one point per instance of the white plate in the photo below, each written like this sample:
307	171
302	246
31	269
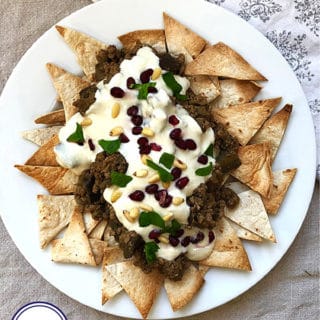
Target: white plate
29	93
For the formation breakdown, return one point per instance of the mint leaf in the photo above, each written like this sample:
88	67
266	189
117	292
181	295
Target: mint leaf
150	249
209	151
77	136
172	83
167	160
143	89
165	176
175	226
205	171
120	179
110	146
151	217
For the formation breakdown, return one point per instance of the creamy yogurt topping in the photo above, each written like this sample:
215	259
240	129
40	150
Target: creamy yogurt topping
155	110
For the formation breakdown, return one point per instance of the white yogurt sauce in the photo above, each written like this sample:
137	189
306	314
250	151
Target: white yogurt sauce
155	110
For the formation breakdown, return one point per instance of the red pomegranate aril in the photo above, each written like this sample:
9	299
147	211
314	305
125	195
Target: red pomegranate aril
137	120
211	236
145	149
179	233
154	234
155	147
91	145
152	188
145	75
166	203
137	195
130	82
117	92
173	120
136	130
194	240
123	138
185	241
132	111
152	90
160	195
180	143
175	134
200	236
203	159
182	182
142	141
176	172
173	240
190	144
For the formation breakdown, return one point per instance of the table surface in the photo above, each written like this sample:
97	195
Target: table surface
289	291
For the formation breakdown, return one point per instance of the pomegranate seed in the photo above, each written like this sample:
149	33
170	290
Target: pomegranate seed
136	130
145	75
155	147
179	233
91	145
117	92
194	240
142	141
182	182
154	234
123	138
173	120
185	241
176	172
166	203
137	195
137	120
132	111
180	143
173	241
130	82
211	236
175	134
203	159
161	195
190	144
152	90
152	188
145	149
199	237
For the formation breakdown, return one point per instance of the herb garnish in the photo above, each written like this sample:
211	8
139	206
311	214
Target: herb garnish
175	226
209	151
172	83
164	175
120	179
205	171
110	146
77	136
154	218
167	160
143	89
150	249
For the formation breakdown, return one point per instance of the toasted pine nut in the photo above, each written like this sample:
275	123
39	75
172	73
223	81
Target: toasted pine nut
168	216
116	194
144	158
127	215
134	212
163	239
166	185
141	173
146	207
86	122
116	131
156	73
177	201
179	164
147	132
115	110
154	178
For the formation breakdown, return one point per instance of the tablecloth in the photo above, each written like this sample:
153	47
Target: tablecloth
291	289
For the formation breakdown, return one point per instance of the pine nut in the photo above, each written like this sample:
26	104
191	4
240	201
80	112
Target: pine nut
127	215
163	239
116	131
156	73
179	164
86	122
166	185
134	212
116	194
115	110
168	216
147	132
177	201
154	178
141	173
144	159
146	207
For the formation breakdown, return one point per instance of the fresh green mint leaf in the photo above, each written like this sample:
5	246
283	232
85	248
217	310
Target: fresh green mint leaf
143	89
164	175
120	179
205	171
110	146
175	226
172	83
77	136
209	151
150	249
167	160
151	217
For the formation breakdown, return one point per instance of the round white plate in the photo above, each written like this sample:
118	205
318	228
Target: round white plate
29	93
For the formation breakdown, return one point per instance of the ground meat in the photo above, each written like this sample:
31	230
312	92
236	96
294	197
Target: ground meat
171	63
230	198
87	98
198	100
201	114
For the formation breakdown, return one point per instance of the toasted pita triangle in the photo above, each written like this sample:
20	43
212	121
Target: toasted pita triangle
273	130
56	180
141	287
54	214
243	233
45	155
52	118
108	236
74	247
255	169
206	87
180	293
98	248
181	39
234	91
228	251
42	135
251	214
97	232
281	182
85	47
203	270
222	61
89	222
154	38
244	120
68	87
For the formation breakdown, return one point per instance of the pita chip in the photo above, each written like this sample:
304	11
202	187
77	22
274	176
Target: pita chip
228	251
281	182
98	248
42	135
54	214
141	287
255	169
98	231
222	61
154	38
74	247
244	120
45	155
85	47
68	87
89	222
56	180
203	270
243	233
273	130
181	39
206	87
52	118
233	91
180	293
108	236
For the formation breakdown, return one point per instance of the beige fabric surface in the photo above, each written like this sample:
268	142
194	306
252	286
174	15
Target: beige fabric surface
290	291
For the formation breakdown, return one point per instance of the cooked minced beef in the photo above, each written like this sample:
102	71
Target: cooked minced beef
86	99
171	63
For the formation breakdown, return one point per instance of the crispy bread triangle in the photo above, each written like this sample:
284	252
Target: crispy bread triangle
233	91
180	293
243	233
85	47
54	214
141	287
89	222
98	231
56	180
181	39
251	214
52	118
244	120
206	87
74	247
255	169
228	251
45	155
222	61
68	87
281	182
98	248
41	136
273	130
154	38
